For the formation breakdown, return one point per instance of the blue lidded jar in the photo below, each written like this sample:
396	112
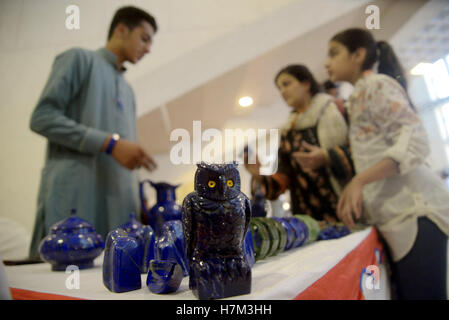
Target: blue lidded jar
72	241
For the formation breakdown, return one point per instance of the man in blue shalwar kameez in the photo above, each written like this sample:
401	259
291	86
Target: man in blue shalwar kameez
87	112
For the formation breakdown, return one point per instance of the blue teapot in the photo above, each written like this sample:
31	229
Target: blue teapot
72	241
165	209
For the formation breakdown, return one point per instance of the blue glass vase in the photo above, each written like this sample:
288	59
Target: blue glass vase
72	241
121	267
165	208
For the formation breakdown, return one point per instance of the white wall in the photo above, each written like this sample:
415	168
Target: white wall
437	159
416	85
420	97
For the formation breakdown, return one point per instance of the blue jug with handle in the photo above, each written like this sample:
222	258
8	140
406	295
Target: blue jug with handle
165	209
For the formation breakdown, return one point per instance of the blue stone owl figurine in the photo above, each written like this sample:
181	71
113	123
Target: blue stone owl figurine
215	220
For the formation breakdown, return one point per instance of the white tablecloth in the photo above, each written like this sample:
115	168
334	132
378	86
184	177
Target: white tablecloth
280	277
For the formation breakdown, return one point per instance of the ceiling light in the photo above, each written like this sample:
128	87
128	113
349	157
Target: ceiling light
421	69
245	102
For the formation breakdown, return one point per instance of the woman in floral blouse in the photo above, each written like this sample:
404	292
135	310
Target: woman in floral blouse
313	158
401	195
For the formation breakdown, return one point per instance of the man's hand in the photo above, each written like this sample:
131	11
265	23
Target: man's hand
132	156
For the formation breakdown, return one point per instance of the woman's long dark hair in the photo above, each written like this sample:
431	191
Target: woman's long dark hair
380	51
302	74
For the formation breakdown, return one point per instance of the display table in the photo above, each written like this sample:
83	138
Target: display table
330	269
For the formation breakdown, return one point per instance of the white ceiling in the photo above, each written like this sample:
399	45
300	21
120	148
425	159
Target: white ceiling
231	49
425	37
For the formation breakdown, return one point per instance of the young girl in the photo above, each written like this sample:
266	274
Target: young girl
313	152
406	201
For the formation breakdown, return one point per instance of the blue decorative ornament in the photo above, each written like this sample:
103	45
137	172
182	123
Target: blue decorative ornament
291	236
273	234
72	241
258	205
145	238
301	231
149	248
170	245
164	276
248	248
215	219
164	210
261	238
132	227
333	232
121	265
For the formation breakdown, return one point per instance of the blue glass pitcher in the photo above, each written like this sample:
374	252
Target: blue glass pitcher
165	208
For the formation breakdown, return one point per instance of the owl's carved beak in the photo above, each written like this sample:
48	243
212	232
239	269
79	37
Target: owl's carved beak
222	184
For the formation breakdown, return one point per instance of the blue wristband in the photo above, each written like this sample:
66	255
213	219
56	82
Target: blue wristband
112	142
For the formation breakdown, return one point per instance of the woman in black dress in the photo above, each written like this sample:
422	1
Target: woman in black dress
313	156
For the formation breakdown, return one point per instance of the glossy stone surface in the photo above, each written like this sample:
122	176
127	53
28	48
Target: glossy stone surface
313	226
170	245
165	209
258	205
164	276
333	232
215	220
248	248
149	248
301	232
145	238
289	231
273	233
121	270
261	239
282	235
72	241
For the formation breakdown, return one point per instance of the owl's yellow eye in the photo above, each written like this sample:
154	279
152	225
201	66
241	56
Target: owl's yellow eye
230	183
211	184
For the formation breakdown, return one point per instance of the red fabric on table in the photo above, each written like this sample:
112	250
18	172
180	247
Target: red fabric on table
21	294
342	282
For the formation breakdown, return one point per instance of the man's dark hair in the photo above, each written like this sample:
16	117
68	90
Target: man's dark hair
131	17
